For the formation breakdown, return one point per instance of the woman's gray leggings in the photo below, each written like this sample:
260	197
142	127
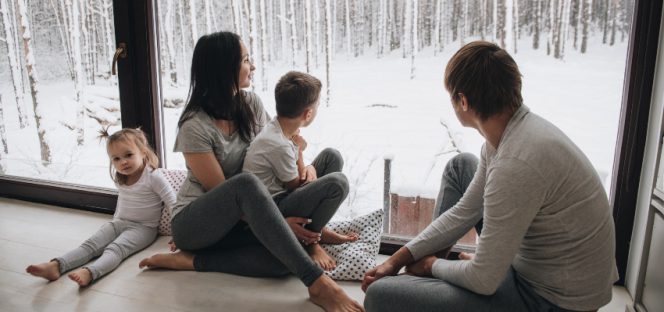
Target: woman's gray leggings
262	245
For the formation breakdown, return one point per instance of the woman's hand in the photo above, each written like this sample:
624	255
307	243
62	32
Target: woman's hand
384	269
303	235
171	246
422	267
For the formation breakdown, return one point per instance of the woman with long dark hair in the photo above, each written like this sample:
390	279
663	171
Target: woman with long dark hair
226	220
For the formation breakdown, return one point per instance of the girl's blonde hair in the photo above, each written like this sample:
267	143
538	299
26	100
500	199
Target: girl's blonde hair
136	136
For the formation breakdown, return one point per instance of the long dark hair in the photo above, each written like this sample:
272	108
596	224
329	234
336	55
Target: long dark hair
214	86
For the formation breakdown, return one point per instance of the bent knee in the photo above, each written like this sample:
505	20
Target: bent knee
379	295
340	181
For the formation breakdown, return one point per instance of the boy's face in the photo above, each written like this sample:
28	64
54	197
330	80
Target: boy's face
310	114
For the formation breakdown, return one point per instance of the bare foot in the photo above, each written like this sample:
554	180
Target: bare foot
321	257
48	270
82	276
331	237
466	256
327	294
175	261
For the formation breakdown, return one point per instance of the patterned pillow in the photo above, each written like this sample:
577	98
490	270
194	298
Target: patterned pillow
175	178
354	259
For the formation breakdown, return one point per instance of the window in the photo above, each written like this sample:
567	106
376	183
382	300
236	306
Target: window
382	63
57	90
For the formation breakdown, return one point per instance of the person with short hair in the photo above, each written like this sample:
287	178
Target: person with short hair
547	241
275	156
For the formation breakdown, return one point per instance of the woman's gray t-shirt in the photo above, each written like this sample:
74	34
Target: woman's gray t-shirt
199	134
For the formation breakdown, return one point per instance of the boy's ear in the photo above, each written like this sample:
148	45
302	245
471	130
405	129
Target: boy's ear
306	115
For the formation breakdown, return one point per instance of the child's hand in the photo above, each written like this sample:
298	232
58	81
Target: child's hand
300	142
303	235
309	174
171	246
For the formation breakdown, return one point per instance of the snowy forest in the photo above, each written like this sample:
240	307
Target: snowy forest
57	91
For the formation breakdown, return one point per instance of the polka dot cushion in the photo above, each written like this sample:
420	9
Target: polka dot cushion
175	178
354	259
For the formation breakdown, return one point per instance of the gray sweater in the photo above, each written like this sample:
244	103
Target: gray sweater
545	213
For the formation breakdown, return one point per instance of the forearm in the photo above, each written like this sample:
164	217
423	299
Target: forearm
301	168
400	258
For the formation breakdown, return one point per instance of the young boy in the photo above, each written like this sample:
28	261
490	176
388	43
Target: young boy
275	157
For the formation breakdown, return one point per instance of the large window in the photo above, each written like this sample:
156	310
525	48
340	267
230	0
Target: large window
382	63
56	90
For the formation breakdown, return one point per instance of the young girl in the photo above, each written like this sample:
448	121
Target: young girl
141	190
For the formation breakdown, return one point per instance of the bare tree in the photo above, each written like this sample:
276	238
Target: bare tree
3	138
169	32
32	78
585	13
291	15
328	48
414	43
14	63
264	52
75	34
3	133
307	35
208	17
193	22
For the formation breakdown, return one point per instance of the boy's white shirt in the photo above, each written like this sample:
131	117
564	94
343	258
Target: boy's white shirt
272	157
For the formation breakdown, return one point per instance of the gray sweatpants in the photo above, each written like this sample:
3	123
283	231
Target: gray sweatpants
319	199
112	243
210	227
413	293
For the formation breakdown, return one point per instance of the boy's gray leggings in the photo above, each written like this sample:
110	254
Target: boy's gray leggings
113	242
319	199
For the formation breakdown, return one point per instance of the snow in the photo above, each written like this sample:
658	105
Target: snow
376	112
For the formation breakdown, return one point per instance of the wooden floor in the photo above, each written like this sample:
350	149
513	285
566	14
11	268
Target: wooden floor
33	233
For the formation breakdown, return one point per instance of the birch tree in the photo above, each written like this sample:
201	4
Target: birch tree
78	69
264	37
208	17
414	43
14	64
307	35
193	22
170	45
293	34
32	78
585	13
3	133
3	138
328	49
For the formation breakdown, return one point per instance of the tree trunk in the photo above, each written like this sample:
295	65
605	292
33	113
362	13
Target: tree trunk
60	22
264	37
78	68
3	133
208	17
347	23
193	22
291	14
307	35
14	65
414	43
536	24
32	78
328	49
169	32
585	12
237	19
283	27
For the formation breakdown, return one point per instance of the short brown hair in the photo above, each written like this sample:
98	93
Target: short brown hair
295	92
488	77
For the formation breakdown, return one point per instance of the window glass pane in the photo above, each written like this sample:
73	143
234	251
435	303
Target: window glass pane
382	64
56	91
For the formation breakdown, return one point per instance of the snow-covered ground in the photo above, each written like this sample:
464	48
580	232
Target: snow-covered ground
375	111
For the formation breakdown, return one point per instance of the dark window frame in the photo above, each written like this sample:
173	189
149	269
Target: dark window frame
140	88
135	25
